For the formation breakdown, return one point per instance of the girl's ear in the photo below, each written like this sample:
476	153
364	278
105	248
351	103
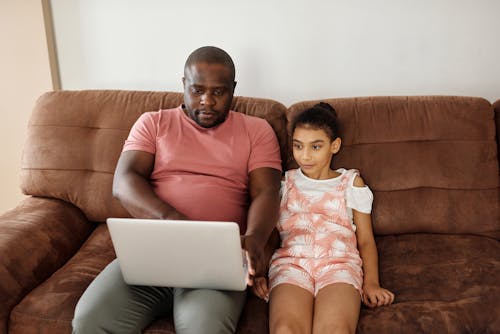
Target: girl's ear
335	145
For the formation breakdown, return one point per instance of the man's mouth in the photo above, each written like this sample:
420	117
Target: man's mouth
206	113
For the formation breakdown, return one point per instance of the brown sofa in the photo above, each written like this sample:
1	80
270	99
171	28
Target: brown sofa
432	162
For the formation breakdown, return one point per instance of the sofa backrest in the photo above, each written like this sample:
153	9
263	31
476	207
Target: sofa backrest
496	106
75	138
431	161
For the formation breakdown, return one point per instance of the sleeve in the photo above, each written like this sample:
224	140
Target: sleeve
142	136
265	151
359	198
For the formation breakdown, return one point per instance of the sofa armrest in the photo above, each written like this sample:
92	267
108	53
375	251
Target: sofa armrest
36	238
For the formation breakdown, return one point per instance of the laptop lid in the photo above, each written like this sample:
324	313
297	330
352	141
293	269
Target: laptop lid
179	253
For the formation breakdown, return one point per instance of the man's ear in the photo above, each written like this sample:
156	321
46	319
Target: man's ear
336	144
234	85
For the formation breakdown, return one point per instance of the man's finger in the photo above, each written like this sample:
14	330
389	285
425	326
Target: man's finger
250	264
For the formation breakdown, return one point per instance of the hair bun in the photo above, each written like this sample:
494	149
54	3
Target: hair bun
328	107
325	105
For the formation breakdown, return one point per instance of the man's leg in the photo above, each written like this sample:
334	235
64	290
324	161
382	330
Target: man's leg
109	305
207	311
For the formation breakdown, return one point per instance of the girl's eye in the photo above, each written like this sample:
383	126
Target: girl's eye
316	147
297	146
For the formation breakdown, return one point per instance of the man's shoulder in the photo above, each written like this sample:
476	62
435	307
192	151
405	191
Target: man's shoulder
171	112
250	121
161	113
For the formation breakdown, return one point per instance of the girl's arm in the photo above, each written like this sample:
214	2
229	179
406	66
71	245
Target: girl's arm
373	294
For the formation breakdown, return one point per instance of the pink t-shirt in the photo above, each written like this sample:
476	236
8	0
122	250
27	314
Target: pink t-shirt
203	172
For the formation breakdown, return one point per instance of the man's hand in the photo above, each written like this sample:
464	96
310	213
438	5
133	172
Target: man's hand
264	185
260	288
264	252
256	259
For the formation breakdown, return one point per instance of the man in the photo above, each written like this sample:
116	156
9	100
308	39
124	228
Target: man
199	161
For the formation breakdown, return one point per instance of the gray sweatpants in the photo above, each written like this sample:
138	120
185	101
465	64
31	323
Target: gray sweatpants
109	305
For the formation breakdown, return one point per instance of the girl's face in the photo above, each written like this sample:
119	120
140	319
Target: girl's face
313	150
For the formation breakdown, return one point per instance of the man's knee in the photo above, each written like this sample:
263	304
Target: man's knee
204	321
102	322
87	323
207	311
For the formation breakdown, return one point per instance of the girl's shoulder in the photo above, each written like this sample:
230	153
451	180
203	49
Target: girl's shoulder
353	177
348	173
289	173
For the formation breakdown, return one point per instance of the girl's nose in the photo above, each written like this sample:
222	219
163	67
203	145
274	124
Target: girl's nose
306	154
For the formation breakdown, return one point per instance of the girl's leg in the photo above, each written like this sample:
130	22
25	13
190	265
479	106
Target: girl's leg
290	309
336	309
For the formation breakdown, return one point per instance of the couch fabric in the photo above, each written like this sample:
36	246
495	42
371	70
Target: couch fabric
431	161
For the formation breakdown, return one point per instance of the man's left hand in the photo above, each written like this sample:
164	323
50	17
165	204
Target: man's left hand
256	260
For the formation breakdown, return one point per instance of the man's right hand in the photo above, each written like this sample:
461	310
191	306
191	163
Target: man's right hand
132	188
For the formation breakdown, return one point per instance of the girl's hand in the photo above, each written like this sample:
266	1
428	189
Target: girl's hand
260	289
374	295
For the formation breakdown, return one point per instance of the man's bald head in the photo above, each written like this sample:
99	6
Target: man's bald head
210	55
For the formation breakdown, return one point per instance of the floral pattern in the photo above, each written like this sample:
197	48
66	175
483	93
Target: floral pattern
318	242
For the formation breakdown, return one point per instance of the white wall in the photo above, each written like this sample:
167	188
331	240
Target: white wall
24	75
288	50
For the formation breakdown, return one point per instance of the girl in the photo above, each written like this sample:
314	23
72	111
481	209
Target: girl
317	276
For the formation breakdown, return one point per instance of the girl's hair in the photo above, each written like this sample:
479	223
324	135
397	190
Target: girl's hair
321	116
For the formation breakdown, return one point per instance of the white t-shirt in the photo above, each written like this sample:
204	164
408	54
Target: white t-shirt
357	198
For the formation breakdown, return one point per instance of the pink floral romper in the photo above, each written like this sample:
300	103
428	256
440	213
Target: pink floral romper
318	241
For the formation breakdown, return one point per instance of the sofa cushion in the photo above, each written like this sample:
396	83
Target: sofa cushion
430	160
51	305
75	139
449	281
442	283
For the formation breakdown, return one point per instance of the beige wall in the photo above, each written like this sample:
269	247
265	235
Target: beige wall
289	51
24	75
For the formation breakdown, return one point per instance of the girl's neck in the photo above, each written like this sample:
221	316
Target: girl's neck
323	175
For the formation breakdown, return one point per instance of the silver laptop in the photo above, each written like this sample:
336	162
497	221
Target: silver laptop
179	253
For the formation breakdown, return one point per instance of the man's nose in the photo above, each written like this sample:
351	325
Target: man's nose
207	99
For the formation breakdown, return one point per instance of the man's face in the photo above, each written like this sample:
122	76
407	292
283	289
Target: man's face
208	92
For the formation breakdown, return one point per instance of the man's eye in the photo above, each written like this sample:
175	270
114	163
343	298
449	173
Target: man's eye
197	91
218	92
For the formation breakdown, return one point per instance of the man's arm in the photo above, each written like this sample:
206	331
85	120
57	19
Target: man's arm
132	188
264	186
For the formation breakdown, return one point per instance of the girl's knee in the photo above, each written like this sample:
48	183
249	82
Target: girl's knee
288	326
339	327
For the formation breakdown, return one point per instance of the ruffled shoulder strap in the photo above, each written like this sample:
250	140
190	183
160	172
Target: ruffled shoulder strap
348	177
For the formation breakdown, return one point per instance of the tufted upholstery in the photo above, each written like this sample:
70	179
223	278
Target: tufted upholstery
432	162
423	157
94	125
